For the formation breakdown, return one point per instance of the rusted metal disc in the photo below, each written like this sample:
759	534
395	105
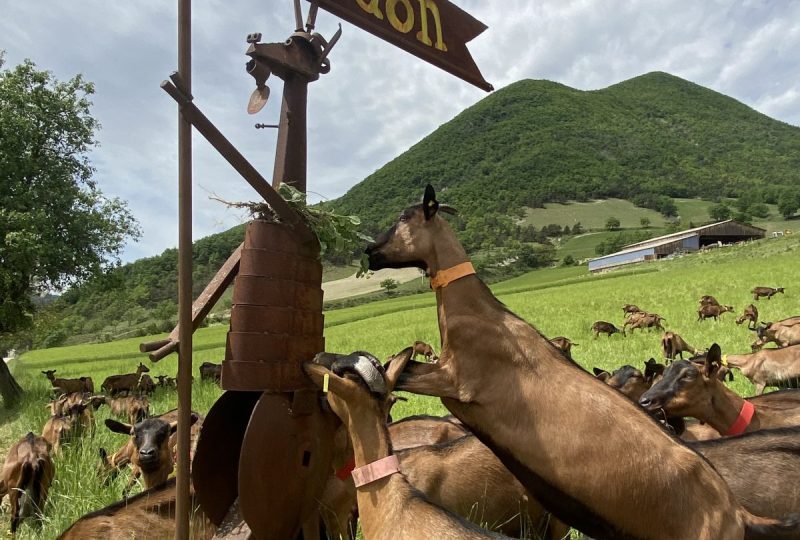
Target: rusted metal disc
265	291
277	237
215	468
276	320
285	463
280	265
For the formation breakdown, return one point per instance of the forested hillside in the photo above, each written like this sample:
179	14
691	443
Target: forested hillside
646	139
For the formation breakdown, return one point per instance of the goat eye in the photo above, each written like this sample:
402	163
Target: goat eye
403	218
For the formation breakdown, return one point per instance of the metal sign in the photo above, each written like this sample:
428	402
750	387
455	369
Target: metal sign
436	31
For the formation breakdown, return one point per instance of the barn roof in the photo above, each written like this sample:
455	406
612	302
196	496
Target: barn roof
712	228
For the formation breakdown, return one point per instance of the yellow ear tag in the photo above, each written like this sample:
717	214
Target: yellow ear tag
325	379
724	359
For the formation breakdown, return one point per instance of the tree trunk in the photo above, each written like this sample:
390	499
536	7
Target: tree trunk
9	389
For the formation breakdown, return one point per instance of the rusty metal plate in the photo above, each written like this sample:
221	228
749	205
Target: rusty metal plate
277	237
276	320
279	265
215	467
284	466
262	291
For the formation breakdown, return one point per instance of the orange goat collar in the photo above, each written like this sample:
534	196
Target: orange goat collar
376	470
743	420
445	277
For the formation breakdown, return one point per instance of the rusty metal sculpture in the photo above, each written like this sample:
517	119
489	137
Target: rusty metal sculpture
264	453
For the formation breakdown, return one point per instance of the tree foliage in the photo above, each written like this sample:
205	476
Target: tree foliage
56	226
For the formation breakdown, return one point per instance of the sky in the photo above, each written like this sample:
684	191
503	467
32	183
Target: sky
377	100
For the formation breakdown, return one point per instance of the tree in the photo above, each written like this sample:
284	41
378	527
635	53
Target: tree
389	285
719	212
788	205
56	226
577	228
644	222
612	224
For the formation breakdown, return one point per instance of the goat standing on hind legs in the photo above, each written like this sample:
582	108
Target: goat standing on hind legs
388	506
541	414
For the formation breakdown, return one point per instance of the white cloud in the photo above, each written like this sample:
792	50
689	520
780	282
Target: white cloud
377	100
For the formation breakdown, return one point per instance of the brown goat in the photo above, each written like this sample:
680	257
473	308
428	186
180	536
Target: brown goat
708	311
644	320
388	507
420	347
128	382
564	344
762	468
150	514
784	333
152	457
673	346
769	292
603	327
689	390
145	384
750	314
68	386
75	418
629	309
708	300
484	377
421	430
166	382
133	408
768	367
27	474
122	457
627	379
210	371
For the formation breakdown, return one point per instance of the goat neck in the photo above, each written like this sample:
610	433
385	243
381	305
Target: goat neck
724	408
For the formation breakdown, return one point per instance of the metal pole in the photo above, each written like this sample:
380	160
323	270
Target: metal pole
184	275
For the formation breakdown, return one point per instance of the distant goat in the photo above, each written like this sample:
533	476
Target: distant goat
128	382
769	292
674	346
27	474
750	314
82	384
210	371
644	320
603	327
628	309
420	347
708	311
133	408
708	300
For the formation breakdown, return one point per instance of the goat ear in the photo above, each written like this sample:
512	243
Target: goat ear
118	427
173	426
448	209
601	374
396	366
713	360
429	203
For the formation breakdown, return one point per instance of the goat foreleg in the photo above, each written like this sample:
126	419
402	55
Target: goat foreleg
428	380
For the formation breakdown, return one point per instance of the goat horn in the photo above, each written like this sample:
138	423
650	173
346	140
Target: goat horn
365	366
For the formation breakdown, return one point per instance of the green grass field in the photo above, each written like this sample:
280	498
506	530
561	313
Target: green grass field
558	301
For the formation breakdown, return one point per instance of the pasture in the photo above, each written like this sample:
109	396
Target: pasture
558	301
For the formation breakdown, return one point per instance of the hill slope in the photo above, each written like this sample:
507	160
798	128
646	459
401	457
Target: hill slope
537	141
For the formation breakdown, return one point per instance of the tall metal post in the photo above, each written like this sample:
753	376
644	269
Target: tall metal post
184	274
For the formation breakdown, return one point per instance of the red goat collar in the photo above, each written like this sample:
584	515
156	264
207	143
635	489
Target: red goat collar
376	470
443	278
347	468
743	420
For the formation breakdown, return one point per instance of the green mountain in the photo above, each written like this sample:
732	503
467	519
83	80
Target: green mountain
645	139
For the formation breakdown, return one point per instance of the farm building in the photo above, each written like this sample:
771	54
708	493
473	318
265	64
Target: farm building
724	232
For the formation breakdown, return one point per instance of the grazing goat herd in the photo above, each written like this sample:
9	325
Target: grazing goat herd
534	444
29	470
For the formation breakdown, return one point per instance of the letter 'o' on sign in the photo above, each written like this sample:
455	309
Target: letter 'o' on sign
436	31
